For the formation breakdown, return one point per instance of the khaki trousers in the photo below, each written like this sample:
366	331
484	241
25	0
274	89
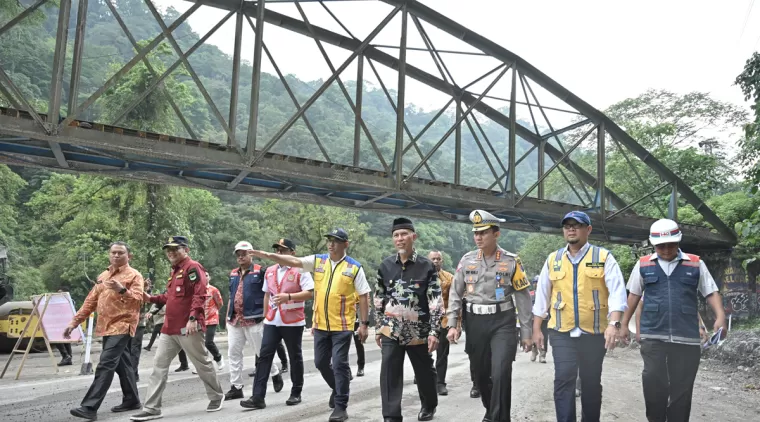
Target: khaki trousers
168	348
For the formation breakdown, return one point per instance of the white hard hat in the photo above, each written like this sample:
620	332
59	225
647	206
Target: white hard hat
664	231
243	246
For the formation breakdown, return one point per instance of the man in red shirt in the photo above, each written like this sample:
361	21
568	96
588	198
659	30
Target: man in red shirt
183	325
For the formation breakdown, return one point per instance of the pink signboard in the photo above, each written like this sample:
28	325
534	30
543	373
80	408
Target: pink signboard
59	312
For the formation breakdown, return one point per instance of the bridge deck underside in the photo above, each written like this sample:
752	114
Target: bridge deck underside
122	153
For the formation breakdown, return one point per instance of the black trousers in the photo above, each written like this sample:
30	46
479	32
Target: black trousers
442	356
392	376
135	349
115	357
281	353
668	379
64	349
156	333
359	347
210	345
272	338
332	346
492	342
577	357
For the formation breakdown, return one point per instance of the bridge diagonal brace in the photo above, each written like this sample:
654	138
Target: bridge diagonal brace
343	88
58	154
433	53
153	73
490	145
28	11
127	67
5	79
559	143
291	95
11	99
189	67
632	204
556	164
395	110
358	50
459	121
483	151
638	176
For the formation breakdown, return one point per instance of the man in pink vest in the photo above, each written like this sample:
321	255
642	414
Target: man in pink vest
285	291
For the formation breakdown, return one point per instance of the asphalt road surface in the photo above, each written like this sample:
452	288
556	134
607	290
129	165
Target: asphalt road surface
37	396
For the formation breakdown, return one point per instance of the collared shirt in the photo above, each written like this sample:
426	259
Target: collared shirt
408	303
446	278
306	282
214	302
617	300
238	319
706	284
185	296
118	313
360	281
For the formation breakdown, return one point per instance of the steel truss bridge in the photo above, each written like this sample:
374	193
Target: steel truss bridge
404	183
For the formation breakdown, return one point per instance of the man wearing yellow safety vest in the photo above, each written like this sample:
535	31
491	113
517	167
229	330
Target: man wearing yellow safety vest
339	281
583	288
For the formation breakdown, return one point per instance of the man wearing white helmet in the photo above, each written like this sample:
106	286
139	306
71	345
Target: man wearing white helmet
670	339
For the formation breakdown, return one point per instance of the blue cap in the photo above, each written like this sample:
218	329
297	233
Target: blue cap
578	216
339	234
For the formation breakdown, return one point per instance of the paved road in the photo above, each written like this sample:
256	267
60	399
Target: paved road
36	397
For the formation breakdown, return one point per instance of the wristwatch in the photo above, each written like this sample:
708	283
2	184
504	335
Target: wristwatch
123	290
615	323
365	323
192	318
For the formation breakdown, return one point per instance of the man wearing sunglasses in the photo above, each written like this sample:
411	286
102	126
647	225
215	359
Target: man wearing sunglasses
670	338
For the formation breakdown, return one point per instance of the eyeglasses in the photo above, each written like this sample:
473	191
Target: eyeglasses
573	226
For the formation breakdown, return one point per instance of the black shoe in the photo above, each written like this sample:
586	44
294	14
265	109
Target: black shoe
65	361
253	403
426	414
331	403
284	368
181	368
252	373
234	393
360	372
338	415
474	392
278	383
84	413
442	391
146	416
147	348
486	418
125	407
293	400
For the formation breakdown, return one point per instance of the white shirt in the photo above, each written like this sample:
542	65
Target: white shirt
307	283
706	284
360	281
617	301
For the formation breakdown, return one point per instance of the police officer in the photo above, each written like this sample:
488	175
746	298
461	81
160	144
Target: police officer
670	323
581	284
491	276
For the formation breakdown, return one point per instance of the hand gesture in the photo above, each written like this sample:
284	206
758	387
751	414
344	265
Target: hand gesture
67	331
538	339
453	335
432	343
363	332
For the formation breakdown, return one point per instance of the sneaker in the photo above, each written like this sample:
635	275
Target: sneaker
293	400
331	403
474	392
66	361
146	416
533	354
215	405
220	364
360	372
234	393
284	368
442	391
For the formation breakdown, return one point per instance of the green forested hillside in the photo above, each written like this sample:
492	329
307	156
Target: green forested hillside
57	226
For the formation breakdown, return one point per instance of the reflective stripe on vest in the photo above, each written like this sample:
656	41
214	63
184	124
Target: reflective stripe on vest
579	294
292	311
334	294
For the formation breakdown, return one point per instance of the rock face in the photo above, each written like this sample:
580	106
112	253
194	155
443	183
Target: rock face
741	348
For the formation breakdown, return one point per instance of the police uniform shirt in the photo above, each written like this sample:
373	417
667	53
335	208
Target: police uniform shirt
613	279
477	277
361	285
706	285
306	283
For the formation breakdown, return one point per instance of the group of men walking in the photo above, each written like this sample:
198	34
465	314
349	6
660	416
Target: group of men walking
419	309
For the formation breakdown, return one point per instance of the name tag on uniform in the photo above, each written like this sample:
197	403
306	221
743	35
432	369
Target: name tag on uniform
500	294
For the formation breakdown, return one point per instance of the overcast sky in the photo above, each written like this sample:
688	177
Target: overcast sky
603	51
